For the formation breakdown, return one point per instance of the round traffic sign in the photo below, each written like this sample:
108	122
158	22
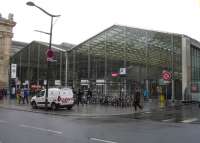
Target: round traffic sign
50	53
166	75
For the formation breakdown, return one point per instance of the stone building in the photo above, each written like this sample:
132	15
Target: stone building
6	34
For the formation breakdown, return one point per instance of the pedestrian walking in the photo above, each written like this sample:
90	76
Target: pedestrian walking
79	98
5	92
84	97
89	96
137	99
158	90
13	92
146	95
74	95
1	94
26	95
18	95
22	95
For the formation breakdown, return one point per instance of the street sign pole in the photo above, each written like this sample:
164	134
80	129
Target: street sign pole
50	42
167	76
172	42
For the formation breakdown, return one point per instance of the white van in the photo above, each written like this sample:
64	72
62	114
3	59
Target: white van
56	98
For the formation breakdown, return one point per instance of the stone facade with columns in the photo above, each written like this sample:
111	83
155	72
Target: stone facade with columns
6	34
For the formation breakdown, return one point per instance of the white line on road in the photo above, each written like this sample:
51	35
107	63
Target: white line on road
147	112
41	129
189	120
100	140
168	120
2	121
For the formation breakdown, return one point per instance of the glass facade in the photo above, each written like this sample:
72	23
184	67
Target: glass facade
32	65
195	58
144	54
195	52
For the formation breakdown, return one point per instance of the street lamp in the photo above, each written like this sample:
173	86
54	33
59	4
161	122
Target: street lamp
49	51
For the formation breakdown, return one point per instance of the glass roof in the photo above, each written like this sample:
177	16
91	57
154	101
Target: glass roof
137	43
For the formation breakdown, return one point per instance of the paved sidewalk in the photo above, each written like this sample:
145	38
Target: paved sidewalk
90	110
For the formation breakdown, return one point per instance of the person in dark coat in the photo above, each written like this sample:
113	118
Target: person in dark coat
89	96
137	99
1	94
26	95
79	98
5	92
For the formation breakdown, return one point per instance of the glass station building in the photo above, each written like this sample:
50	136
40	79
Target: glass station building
119	59
32	64
116	61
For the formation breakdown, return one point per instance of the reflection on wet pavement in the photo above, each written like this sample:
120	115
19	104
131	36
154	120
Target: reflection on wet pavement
181	114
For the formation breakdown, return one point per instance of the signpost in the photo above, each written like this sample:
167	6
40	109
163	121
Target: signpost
115	74
57	82
50	55
166	77
13	70
45	82
122	71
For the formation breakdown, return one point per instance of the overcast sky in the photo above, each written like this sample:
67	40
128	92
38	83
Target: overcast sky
82	19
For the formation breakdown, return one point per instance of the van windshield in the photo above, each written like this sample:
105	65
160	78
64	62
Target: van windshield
67	93
41	93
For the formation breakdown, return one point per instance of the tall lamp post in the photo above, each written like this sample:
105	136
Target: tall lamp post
49	51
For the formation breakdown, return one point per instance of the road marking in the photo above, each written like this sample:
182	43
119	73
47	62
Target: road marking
147	112
2	121
100	140
41	129
189	120
168	120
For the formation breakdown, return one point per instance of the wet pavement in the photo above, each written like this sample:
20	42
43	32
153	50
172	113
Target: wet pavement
29	127
181	114
92	109
93	124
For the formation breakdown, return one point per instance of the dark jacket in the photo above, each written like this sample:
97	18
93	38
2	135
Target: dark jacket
137	97
80	94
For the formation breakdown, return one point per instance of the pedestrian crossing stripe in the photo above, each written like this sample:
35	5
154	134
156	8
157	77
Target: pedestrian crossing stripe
168	120
189	120
147	112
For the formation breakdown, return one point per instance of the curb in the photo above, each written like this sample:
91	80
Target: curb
94	115
71	115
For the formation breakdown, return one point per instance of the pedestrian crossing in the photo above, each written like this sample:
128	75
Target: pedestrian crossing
168	120
185	114
186	120
166	117
190	120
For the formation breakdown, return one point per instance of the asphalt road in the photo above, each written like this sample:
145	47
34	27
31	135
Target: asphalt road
27	127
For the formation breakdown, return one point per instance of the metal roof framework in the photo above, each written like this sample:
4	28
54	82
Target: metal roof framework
141	46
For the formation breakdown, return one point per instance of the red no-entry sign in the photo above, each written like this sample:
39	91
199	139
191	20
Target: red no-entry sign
166	75
50	55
